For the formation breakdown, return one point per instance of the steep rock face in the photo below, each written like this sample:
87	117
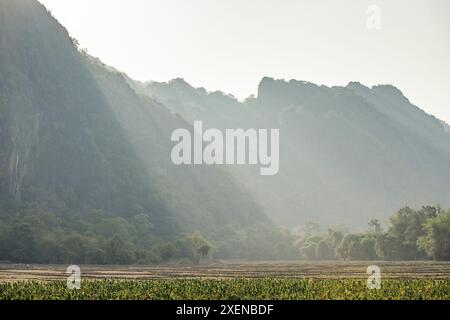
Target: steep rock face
62	143
75	136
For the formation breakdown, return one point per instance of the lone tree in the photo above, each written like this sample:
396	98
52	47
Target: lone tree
200	245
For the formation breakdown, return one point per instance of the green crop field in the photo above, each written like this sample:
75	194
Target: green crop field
230	281
228	289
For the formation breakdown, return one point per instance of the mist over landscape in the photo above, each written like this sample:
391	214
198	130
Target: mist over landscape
86	175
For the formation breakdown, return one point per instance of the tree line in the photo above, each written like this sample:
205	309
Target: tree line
411	235
30	234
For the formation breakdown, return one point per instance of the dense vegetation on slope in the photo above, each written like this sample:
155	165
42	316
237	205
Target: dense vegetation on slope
202	197
347	154
76	139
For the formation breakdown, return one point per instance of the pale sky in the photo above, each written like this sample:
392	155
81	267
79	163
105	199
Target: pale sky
230	45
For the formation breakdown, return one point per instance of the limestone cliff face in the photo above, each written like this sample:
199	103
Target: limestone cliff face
75	136
19	138
60	143
22	141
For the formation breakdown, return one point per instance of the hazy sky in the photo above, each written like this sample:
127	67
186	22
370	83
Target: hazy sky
230	45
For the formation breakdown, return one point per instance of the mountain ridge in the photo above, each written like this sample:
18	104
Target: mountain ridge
392	134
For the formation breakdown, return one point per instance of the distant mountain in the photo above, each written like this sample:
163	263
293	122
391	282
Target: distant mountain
348	154
85	161
75	136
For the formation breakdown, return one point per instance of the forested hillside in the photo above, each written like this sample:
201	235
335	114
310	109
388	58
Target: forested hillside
347	154
84	156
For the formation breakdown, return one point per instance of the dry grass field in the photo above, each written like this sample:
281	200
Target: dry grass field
224	270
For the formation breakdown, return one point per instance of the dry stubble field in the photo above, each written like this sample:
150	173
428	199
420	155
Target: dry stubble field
231	280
